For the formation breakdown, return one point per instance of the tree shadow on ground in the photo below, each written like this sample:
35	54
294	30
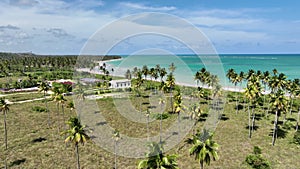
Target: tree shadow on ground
17	162
224	117
280	133
101	123
203	117
254	127
38	140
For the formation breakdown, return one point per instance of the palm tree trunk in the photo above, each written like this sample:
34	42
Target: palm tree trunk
253	121
201	165
249	124
171	100
236	100
115	149
5	130
291	106
275	128
160	125
147	128
46	105
178	126
268	107
5	165
297	125
77	155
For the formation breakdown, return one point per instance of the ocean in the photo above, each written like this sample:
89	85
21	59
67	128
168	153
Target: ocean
188	65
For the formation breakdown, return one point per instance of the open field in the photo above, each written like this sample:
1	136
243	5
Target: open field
32	144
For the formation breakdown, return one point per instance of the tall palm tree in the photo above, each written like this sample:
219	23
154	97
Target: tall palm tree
148	119
4	108
162	73
230	74
279	103
172	67
161	103
145	71
203	147
71	106
252	92
76	135
195	113
297	124
234	78
265	81
156	159
44	87
170	84
293	90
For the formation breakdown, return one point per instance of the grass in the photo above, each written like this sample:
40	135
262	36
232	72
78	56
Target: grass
33	144
14	97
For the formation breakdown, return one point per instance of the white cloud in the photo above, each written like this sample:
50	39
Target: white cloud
144	7
23	3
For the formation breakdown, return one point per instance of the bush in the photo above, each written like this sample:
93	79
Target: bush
296	138
38	109
256	160
157	116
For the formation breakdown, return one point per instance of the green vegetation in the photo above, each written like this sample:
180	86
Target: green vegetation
256	160
249	119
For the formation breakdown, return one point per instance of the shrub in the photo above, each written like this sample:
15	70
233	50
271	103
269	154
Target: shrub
296	138
39	109
157	116
256	160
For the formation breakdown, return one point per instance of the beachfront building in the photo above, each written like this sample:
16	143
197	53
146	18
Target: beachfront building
120	84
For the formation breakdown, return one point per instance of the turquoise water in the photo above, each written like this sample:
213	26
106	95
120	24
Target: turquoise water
187	65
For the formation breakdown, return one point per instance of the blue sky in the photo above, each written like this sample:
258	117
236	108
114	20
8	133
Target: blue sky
233	26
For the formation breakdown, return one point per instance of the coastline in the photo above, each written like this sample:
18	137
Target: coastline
118	72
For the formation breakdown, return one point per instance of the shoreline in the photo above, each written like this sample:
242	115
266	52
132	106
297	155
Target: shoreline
120	72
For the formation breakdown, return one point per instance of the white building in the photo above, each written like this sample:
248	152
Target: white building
121	83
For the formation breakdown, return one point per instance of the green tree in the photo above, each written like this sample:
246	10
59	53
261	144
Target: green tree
279	103
170	85
76	134
156	159
4	108
256	160
203	147
44	87
161	103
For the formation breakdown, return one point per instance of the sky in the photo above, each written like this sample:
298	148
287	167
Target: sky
232	26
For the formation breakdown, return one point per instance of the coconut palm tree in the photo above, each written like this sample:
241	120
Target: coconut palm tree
4	108
203	147
279	103
128	74
156	159
170	84
162	73
44	87
172	67
293	88
234	78
71	106
148	119
145	71
230	73
161	103
297	124
265	81
195	113
76	135
252	92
